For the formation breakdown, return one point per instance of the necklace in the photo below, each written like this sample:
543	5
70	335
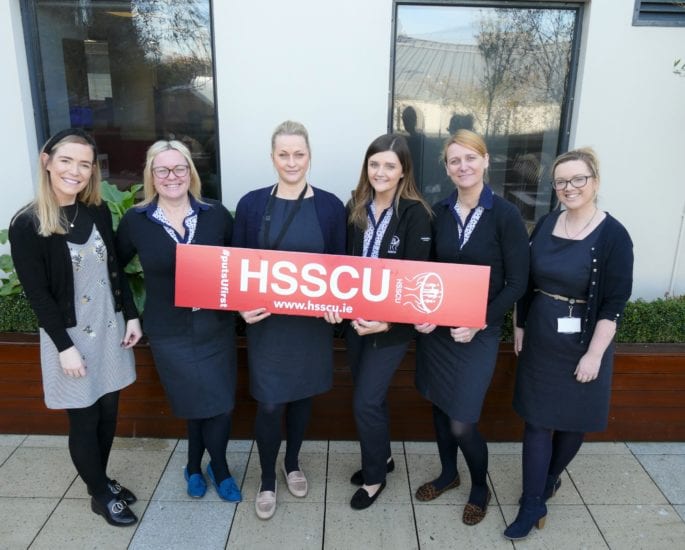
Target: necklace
71	223
583	228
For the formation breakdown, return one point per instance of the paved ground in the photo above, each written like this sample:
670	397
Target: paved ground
614	495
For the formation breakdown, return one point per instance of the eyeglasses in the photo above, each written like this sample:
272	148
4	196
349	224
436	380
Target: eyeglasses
163	172
575	181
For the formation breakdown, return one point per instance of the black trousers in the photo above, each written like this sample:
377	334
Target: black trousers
372	371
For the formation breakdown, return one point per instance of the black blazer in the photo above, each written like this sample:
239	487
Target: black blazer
408	237
43	265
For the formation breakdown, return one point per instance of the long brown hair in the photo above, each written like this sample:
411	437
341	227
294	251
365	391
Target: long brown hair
406	188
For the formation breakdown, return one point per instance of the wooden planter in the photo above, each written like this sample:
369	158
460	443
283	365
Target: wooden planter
648	400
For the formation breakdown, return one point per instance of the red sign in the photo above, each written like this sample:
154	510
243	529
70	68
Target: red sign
296	283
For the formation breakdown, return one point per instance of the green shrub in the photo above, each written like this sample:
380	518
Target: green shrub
661	320
658	321
16	314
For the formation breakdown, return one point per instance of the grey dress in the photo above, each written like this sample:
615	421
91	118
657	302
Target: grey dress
97	335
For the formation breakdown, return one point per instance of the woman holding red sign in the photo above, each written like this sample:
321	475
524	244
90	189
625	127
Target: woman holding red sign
387	218
194	349
290	358
455	364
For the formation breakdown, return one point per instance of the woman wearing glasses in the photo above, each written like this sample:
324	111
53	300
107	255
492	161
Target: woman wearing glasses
194	350
580	281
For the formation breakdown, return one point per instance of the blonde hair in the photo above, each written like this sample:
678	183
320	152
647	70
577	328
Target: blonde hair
584	154
149	191
465	138
291	128
46	208
406	188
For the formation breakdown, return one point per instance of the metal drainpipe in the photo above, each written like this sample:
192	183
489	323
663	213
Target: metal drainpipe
676	259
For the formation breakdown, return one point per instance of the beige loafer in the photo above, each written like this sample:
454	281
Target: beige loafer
297	482
265	504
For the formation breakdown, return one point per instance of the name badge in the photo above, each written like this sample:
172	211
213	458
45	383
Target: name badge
568	325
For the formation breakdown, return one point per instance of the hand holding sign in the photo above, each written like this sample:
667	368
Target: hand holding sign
261	282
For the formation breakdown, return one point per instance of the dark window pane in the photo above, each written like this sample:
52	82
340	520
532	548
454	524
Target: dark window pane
502	72
130	72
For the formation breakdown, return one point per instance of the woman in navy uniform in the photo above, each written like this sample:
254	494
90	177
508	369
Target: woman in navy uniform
581	278
290	358
455	364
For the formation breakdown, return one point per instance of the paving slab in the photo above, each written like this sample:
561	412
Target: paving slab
645	527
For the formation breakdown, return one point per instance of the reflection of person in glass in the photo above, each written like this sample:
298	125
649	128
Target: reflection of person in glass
290	358
581	278
455	365
63	250
387	219
194	350
415	141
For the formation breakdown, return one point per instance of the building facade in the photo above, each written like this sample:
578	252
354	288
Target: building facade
350	72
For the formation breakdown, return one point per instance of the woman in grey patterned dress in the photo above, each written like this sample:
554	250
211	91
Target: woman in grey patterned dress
63	250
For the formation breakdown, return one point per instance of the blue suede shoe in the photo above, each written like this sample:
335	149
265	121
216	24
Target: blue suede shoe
197	486
227	489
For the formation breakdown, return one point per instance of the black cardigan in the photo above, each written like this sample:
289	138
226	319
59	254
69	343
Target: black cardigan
611	278
499	240
410	223
44	268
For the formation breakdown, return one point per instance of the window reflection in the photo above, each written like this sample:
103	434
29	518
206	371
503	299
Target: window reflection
130	72
501	72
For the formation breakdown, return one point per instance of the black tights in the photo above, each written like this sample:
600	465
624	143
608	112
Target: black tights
211	434
268	436
452	435
546	453
91	433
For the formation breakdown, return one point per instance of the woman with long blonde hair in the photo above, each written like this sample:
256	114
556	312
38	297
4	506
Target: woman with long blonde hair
63	250
194	349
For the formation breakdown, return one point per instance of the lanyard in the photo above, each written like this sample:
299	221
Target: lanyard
266	222
375	236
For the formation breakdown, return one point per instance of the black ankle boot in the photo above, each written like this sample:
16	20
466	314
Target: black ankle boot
116	512
532	512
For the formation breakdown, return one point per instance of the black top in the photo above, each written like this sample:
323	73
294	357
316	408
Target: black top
499	240
43	265
611	278
407	237
157	252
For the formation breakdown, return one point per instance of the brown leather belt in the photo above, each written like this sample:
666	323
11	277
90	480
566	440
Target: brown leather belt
561	298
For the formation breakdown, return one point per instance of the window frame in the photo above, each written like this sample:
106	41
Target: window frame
565	118
659	17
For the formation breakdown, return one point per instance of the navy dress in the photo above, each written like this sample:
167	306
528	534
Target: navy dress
547	393
291	357
194	350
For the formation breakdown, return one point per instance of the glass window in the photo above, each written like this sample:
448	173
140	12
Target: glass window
129	72
502	72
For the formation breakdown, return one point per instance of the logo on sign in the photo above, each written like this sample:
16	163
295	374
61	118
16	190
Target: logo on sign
424	292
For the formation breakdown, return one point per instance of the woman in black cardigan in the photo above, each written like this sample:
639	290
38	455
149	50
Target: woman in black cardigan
63	250
387	218
454	365
580	280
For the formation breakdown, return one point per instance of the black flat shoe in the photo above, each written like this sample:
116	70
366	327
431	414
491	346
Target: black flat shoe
361	499
122	493
116	512
358	477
